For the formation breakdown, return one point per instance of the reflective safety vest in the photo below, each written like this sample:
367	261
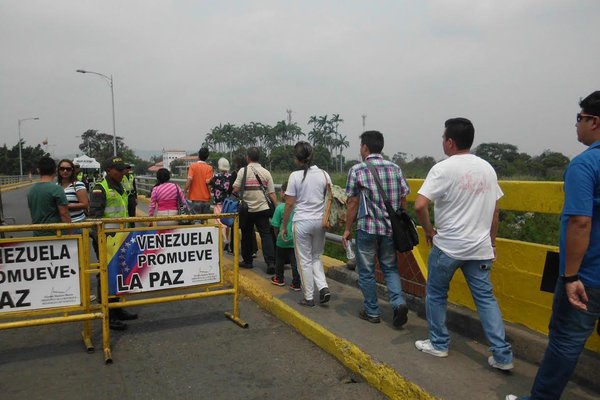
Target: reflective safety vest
116	204
127	183
80	176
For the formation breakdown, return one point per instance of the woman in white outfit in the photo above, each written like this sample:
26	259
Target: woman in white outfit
305	194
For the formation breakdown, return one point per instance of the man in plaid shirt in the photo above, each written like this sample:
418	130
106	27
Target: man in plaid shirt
374	230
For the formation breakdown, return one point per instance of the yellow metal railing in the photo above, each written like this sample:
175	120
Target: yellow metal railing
12	251
518	269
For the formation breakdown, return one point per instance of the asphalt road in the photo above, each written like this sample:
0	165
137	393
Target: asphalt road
183	350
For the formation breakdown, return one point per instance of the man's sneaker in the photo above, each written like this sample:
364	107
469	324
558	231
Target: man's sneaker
372	319
511	397
276	281
122	315
245	265
501	366
295	287
307	303
400	315
324	295
426	347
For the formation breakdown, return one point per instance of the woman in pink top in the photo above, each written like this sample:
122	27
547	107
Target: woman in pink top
164	196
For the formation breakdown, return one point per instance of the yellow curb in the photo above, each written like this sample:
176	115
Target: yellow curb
379	375
8	188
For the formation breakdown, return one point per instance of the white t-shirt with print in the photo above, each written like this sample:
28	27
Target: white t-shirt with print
310	194
464	189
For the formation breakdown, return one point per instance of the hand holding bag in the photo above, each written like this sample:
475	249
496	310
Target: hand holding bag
403	227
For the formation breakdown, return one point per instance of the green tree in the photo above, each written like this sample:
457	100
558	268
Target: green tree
9	158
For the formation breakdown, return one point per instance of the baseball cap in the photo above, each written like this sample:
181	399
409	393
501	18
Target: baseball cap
114	162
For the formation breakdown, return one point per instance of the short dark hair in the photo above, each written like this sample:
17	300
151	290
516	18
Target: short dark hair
283	187
460	130
253	154
373	140
163	175
46	166
203	153
591	104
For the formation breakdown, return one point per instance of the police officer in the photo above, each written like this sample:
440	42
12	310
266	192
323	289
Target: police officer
129	186
109	200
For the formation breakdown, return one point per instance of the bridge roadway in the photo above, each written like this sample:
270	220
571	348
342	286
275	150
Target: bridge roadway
385	355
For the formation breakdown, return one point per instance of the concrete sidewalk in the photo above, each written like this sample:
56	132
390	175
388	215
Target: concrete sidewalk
386	356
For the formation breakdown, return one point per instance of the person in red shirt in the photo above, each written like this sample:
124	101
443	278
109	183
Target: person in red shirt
196	186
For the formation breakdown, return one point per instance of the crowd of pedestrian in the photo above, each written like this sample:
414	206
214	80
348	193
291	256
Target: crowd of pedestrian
463	190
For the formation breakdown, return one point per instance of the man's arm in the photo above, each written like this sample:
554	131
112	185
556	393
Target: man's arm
273	198
63	211
188	182
422	210
577	242
351	212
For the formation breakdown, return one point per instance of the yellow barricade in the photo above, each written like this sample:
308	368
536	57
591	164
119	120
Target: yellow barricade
163	259
46	279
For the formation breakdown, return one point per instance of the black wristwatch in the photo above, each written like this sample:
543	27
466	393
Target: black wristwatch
569	279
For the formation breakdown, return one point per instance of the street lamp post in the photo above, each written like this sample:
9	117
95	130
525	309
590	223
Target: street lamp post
20	144
112	94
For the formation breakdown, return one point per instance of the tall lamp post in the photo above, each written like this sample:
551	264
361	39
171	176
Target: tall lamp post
112	94
21	145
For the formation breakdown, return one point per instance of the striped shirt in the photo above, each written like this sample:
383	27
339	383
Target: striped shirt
372	215
164	197
71	194
253	194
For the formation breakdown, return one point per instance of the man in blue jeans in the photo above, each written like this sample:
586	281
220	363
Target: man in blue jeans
576	306
374	230
465	191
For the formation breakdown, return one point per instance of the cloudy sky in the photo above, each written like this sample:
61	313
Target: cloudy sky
516	68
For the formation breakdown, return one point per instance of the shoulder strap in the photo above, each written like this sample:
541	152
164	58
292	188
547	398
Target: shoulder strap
257	177
386	201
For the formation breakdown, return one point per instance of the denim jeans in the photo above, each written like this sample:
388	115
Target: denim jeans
367	247
569	330
441	269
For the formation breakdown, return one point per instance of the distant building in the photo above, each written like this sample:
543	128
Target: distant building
171	155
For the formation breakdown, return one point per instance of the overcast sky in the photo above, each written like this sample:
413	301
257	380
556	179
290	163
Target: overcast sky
516	68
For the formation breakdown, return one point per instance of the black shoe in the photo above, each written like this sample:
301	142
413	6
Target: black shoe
245	265
122	314
363	315
117	325
400	315
307	303
324	295
270	270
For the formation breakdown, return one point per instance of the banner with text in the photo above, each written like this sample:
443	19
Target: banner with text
144	261
41	274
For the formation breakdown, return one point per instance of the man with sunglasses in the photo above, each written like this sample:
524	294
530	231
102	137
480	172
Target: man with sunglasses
576	306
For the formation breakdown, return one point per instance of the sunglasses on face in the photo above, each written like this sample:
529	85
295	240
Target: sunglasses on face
581	116
65	169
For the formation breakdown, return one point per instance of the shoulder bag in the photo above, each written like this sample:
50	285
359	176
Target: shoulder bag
182	208
328	221
403	227
267	197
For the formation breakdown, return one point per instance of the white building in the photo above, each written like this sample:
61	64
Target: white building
170	155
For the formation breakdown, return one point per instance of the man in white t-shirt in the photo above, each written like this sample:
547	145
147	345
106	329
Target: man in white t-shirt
465	191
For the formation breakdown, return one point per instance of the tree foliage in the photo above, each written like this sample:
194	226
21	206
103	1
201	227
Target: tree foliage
9	158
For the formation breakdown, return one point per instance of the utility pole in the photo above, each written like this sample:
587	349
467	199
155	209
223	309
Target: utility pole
289	121
364	118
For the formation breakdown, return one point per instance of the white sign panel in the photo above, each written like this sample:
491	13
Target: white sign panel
38	275
144	261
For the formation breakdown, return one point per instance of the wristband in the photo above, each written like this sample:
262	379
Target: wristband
569	279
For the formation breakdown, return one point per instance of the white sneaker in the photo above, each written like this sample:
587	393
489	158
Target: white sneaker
426	347
511	397
504	367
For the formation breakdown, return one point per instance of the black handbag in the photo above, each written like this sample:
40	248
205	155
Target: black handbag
403	227
243	206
